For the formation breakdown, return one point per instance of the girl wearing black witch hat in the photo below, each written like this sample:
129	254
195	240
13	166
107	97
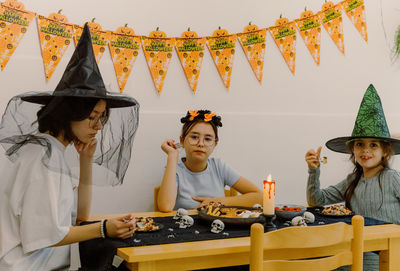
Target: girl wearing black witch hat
42	197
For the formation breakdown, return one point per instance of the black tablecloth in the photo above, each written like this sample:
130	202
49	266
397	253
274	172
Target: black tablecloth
98	254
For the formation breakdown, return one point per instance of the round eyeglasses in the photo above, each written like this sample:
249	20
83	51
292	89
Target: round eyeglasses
195	140
93	121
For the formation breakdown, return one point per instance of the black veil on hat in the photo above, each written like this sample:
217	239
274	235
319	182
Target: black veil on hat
81	78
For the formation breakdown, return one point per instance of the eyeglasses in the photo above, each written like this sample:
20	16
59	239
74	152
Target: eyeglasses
93	121
195	140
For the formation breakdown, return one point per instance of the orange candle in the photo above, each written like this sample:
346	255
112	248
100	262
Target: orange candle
269	196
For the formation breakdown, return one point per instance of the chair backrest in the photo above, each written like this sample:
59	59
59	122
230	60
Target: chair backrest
324	247
228	193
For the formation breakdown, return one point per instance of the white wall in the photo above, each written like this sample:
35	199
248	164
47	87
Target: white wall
267	128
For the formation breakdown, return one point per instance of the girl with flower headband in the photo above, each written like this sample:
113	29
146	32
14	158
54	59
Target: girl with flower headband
373	189
197	179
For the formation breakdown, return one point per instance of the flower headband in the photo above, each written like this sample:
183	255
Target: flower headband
204	115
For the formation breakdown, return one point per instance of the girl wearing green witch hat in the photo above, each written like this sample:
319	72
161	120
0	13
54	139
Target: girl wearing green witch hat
372	189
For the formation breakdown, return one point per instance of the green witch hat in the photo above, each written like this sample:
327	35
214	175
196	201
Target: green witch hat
370	123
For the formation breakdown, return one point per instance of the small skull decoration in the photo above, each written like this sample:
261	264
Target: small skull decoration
309	217
186	222
179	213
299	221
217	226
257	206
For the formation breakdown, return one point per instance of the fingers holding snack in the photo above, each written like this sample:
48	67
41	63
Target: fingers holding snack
313	158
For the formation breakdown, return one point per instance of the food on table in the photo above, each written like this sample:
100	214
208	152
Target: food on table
232	212
287	208
146	224
337	209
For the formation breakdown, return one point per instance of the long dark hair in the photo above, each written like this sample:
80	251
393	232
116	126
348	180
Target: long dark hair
58	121
358	170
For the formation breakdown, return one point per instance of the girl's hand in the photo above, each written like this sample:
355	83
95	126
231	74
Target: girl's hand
86	149
203	201
168	146
123	227
312	158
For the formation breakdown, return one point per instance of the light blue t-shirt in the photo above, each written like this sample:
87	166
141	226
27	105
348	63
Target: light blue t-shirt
208	183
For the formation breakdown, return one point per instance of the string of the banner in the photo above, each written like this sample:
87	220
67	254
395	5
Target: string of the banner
55	33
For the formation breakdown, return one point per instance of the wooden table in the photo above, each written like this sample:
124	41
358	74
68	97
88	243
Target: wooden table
235	251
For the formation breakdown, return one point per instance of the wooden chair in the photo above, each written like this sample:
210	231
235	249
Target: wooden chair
228	193
324	247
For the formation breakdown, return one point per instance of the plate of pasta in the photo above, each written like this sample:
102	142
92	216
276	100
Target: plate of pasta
335	210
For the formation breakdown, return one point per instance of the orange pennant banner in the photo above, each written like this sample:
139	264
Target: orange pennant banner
331	17
355	10
55	36
14	22
100	38
124	48
190	49
222	49
309	26
158	52
252	41
284	34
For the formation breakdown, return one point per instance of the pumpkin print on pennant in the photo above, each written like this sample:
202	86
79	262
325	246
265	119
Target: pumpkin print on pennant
124	48
222	49
99	37
190	49
55	36
252	41
355	10
158	52
309	26
14	22
331	17
284	34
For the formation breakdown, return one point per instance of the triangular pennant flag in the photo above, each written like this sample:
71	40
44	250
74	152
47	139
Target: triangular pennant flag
284	34
309	26
331	17
355	10
222	49
14	22
55	36
252	41
190	49
100	38
124	48
158	52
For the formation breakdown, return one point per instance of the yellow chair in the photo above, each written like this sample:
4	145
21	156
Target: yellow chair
331	246
228	193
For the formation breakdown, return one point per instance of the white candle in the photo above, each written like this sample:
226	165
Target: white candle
269	196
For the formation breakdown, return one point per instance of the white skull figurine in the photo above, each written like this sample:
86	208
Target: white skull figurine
179	213
217	226
309	217
257	206
186	222
298	221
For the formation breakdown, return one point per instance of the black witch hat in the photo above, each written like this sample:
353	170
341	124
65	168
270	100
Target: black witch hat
82	78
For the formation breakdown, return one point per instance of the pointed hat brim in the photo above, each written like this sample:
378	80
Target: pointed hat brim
340	144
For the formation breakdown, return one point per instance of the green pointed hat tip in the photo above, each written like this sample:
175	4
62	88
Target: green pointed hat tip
371	121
